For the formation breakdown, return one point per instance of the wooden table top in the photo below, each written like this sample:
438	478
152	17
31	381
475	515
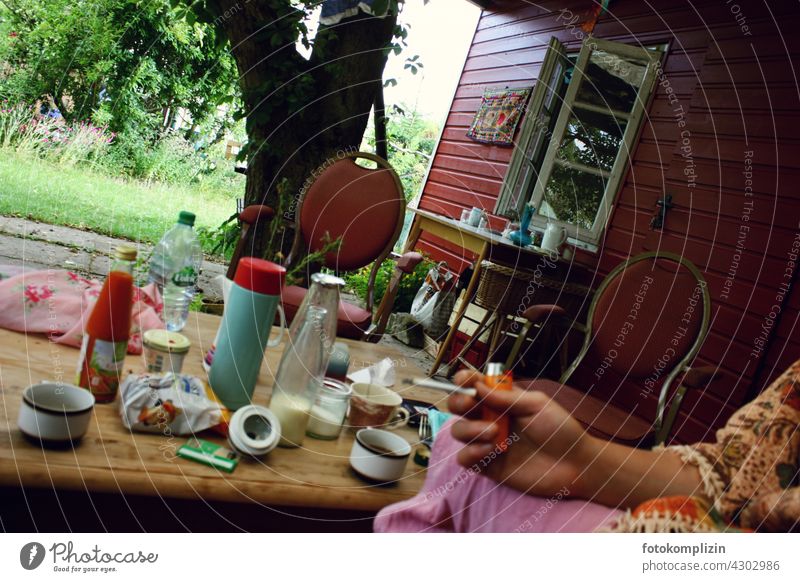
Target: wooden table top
113	460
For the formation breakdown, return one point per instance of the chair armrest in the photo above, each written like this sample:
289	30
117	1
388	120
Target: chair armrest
407	262
256	212
700	377
539	313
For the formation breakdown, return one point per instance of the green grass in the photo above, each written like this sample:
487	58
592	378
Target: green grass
82	198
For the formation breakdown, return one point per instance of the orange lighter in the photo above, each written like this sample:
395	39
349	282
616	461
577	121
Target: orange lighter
498	379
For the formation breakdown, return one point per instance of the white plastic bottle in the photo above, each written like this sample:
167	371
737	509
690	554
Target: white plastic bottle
174	267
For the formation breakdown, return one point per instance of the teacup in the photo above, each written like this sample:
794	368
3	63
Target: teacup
379	455
372	405
55	414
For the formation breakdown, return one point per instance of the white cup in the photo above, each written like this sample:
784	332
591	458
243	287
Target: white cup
379	455
55	414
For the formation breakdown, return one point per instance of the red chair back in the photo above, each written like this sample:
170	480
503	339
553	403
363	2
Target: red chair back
362	206
648	316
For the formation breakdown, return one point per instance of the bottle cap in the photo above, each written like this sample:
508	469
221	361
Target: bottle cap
125	253
260	276
166	341
254	430
186	218
327	280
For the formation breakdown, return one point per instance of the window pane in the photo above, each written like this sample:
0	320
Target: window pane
592	139
611	81
573	196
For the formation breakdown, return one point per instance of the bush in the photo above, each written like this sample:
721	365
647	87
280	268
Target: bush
357	282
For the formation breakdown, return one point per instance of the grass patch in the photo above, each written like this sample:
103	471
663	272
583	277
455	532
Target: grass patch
80	198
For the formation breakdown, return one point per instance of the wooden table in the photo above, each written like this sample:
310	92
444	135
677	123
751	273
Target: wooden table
475	240
110	459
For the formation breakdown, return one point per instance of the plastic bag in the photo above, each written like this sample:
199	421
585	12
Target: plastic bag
168	404
424	303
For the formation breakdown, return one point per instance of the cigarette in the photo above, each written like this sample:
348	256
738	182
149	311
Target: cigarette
443	386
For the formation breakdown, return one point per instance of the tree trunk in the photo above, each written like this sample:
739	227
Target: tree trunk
301	113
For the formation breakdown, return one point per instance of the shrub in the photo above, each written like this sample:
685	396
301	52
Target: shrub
357	282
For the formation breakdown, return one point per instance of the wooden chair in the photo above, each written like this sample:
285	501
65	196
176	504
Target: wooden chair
364	209
646	323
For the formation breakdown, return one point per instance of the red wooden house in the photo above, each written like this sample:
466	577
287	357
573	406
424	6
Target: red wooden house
716	133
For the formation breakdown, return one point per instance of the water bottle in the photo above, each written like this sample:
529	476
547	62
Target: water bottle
174	268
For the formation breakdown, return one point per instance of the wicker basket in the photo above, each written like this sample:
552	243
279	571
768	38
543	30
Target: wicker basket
511	290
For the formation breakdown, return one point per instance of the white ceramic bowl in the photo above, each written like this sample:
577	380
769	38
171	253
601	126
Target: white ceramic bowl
55	414
379	455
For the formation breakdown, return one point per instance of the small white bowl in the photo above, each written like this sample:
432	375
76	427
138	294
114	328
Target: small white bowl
379	455
55	414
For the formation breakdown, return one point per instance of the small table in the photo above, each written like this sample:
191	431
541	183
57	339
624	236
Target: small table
111	459
475	240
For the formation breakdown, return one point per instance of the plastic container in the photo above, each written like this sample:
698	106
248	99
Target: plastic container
498	379
164	351
105	342
174	267
329	410
244	331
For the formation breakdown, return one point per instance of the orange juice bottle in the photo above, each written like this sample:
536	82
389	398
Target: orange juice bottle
106	339
498	379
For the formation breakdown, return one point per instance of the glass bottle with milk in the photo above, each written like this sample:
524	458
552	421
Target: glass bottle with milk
302	367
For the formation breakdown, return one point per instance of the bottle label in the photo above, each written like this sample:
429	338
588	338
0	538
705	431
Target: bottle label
101	365
186	277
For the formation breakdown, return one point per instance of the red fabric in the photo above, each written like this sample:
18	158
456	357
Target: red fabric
260	276
359	205
351	320
539	313
650	313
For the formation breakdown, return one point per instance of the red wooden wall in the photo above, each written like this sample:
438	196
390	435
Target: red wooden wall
738	90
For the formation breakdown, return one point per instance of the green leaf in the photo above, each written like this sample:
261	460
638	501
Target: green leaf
390	83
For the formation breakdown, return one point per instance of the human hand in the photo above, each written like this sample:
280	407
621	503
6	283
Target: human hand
548	449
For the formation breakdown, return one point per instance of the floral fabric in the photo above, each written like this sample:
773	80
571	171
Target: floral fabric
58	303
750	474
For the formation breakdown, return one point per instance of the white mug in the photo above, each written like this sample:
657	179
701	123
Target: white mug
379	455
554	237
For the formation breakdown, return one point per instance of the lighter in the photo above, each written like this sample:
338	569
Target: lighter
498	379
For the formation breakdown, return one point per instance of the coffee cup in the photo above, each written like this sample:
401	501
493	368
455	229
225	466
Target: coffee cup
55	414
373	405
379	455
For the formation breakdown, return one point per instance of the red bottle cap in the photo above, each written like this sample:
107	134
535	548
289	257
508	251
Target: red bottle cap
260	276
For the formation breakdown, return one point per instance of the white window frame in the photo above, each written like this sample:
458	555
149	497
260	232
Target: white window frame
516	178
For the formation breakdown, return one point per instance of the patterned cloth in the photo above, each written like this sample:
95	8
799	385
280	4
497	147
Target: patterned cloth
334	11
750	482
58	303
750	474
498	116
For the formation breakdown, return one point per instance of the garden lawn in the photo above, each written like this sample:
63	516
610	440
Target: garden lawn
81	198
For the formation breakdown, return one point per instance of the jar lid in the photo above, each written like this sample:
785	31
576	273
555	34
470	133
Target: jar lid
260	276
166	341
125	253
254	430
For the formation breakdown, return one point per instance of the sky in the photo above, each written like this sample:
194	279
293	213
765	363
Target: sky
440	33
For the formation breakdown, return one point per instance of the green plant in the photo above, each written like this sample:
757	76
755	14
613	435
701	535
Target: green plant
357	282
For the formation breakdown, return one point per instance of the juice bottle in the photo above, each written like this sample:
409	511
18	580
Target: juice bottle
498	379
106	339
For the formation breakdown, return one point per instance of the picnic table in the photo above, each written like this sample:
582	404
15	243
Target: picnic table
111	459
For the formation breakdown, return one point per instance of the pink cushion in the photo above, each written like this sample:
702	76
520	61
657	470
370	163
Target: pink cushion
351	320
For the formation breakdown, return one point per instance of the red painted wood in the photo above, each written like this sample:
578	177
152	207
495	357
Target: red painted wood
738	93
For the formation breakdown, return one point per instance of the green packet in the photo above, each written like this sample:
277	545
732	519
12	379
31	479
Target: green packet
209	454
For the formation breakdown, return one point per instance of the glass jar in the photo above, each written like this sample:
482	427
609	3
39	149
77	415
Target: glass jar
330	407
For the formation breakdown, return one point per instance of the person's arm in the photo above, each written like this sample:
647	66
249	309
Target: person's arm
554	451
